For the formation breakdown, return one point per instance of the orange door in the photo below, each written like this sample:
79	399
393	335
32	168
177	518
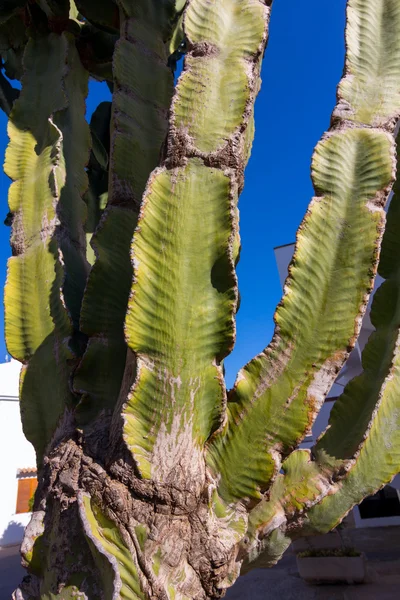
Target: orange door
26	489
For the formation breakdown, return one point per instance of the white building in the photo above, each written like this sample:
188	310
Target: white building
384	507
18	463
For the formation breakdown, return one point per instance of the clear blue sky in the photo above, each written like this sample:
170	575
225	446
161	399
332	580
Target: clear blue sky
303	64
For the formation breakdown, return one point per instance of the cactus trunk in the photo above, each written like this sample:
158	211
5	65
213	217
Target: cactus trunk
155	482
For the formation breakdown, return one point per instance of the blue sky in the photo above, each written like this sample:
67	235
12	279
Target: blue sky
302	66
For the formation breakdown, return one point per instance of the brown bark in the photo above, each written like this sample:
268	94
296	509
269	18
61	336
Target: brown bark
181	526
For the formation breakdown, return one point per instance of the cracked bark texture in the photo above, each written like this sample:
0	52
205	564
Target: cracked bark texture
128	538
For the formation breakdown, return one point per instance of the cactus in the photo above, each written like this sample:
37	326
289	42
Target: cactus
155	482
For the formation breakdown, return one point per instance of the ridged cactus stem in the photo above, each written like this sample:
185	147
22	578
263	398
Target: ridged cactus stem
154	482
278	395
180	320
47	273
143	86
360	450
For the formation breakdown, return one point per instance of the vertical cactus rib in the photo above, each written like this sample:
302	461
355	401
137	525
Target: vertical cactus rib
360	450
72	209
225	51
104	14
369	92
177	333
45	546
278	394
119	574
300	484
180	320
362	443
143	87
354	412
47	241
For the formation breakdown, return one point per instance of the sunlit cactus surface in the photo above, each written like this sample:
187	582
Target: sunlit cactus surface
155	481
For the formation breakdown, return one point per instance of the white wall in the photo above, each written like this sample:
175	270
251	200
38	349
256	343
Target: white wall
15	453
321	423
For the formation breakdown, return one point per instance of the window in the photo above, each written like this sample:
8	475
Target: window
27	484
384	503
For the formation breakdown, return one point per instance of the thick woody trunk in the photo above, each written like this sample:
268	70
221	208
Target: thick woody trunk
98	531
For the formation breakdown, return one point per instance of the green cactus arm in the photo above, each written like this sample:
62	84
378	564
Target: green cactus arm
369	91
180	319
45	546
38	160
322	499
369	409
96	48
72	209
172	368
74	12
377	461
143	88
362	443
211	32
360	450
119	573
300	484
104	14
278	394
354	412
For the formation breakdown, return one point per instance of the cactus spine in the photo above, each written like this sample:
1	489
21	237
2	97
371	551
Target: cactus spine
157	479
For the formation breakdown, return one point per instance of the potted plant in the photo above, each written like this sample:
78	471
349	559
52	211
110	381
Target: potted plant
330	558
331	565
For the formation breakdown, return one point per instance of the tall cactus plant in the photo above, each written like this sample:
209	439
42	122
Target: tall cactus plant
154	481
